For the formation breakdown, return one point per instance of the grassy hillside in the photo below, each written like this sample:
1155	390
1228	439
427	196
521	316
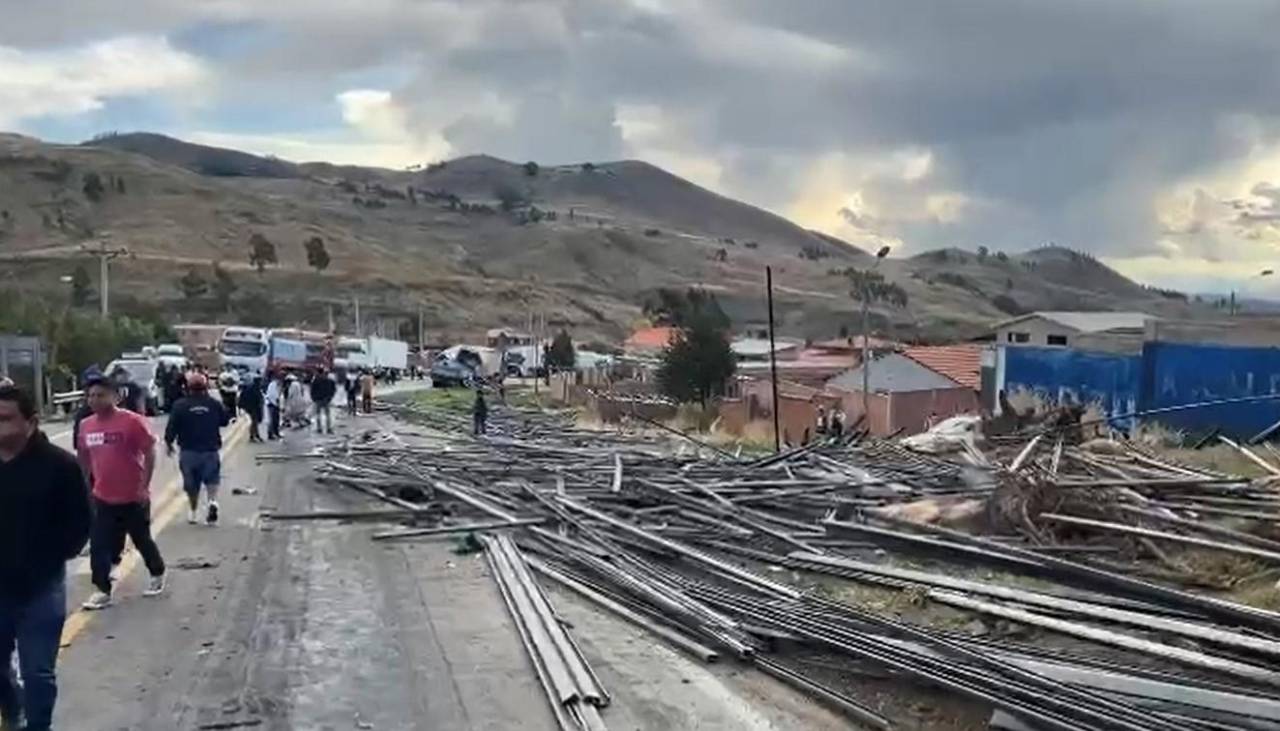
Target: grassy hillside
476	242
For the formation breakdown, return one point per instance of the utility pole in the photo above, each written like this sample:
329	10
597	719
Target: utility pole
866	335
421	332
359	333
773	361
105	254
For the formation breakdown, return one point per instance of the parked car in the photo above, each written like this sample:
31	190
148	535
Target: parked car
142	371
461	369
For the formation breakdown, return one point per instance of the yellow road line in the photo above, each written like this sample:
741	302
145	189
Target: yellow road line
169	508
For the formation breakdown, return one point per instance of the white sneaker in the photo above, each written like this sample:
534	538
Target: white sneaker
191	516
99	600
155	587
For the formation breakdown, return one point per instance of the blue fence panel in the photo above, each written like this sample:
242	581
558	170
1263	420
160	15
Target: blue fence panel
1060	375
1177	374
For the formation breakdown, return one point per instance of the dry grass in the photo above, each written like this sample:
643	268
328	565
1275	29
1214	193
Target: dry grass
1262	594
1218	568
1159	436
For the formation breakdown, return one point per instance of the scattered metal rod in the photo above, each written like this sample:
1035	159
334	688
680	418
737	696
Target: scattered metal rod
1201	660
1241	550
1250	455
693	647
353	515
1044	565
849	706
1206	528
462	528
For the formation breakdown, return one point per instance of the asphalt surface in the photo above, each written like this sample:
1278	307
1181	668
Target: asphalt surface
312	625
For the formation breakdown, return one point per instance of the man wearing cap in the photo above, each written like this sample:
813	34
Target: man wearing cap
116	448
195	424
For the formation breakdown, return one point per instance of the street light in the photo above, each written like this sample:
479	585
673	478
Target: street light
866	333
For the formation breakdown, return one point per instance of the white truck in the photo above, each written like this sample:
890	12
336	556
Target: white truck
371	352
246	349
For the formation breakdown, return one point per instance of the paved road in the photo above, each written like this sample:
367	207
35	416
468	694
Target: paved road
314	626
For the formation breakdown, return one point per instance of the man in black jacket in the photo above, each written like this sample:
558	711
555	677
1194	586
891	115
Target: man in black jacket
44	522
195	424
323	389
251	404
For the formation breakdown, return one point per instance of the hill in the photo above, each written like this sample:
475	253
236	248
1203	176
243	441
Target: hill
476	242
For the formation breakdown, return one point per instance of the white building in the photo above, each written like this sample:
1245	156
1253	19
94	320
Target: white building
1059	329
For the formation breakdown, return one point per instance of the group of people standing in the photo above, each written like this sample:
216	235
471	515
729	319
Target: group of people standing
830	424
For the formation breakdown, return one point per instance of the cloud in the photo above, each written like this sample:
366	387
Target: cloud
74	81
1136	131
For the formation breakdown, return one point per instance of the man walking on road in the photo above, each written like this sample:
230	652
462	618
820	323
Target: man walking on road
195	424
117	448
229	389
366	392
323	389
275	399
479	414
352	386
251	403
44	522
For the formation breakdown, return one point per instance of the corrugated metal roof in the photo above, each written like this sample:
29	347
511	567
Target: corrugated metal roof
759	347
894	373
960	363
1087	322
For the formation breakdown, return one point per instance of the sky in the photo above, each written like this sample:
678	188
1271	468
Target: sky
1146	132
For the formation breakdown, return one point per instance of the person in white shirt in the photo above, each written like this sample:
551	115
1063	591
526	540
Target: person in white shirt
229	389
275	393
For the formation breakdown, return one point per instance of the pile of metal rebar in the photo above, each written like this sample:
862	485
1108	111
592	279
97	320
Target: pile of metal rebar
686	544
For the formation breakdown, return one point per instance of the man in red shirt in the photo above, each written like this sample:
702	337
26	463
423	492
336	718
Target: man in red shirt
117	448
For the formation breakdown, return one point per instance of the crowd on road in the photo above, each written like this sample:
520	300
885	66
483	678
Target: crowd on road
55	502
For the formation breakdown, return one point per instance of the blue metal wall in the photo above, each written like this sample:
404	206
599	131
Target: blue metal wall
1176	373
1061	375
1166	374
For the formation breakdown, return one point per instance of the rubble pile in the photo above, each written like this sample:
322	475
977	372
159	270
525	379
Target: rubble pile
724	557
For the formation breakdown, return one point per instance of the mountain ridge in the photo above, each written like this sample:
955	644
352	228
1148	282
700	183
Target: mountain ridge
480	241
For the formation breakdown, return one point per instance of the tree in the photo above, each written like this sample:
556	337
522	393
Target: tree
317	255
560	354
93	188
698	362
982	253
531	169
223	287
509	197
588	167
192	285
871	285
261	252
81	286
680	309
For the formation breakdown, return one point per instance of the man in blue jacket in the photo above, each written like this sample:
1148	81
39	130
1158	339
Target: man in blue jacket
195	424
44	522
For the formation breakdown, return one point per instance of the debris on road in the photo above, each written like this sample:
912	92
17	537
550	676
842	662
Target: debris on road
1145	578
